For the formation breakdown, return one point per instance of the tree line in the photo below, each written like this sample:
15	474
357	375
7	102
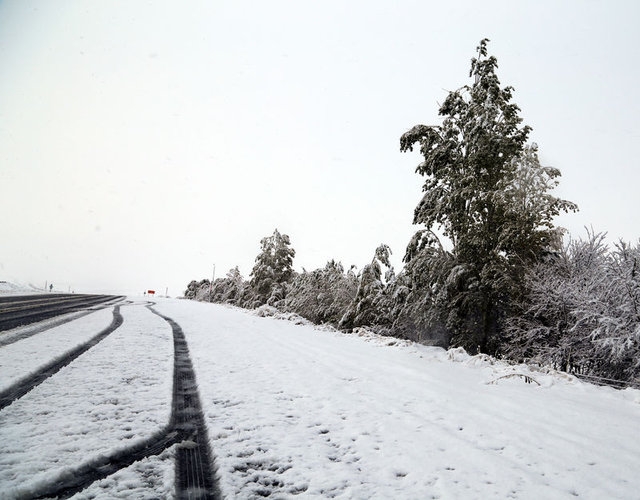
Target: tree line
487	269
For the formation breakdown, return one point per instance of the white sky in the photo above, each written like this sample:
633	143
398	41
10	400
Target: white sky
142	142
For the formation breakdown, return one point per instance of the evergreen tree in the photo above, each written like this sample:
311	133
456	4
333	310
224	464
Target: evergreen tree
273	269
475	165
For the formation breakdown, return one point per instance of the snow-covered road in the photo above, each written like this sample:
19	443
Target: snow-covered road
115	394
292	410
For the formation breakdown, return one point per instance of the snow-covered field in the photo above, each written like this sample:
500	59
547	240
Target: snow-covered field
293	410
11	288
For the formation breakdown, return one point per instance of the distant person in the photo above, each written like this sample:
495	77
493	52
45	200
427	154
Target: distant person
51	287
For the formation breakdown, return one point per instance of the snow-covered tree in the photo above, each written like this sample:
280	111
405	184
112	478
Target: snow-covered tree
582	311
190	292
198	290
323	295
420	293
615	326
273	269
485	191
529	232
371	307
232	289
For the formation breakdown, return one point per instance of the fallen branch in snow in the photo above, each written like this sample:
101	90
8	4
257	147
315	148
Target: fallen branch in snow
616	384
527	378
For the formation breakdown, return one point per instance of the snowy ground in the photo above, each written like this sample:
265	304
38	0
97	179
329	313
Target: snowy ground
296	411
11	288
116	393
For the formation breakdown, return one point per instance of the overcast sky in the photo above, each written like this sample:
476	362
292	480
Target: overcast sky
143	142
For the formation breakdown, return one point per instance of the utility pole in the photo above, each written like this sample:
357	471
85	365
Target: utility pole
213	277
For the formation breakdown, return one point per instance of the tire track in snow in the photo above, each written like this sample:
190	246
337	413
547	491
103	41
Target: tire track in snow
22	387
195	472
30	331
75	480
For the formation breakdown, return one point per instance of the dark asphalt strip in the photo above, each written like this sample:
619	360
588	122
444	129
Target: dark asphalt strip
30	331
21	313
195	472
23	386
